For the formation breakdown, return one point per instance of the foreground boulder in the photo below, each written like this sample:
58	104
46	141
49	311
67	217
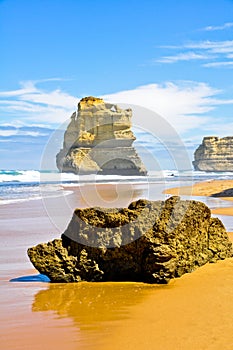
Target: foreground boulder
214	154
148	241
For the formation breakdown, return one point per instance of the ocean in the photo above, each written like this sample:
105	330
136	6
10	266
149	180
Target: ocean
26	185
20	185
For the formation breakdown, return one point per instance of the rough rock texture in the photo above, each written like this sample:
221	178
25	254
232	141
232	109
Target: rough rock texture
99	140
148	241
214	154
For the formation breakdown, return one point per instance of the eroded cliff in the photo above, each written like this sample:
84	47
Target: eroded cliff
99	140
214	154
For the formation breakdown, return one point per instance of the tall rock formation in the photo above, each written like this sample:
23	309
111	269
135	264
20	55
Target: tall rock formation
99	140
214	154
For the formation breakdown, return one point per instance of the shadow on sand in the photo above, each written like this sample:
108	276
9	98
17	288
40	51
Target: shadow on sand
225	193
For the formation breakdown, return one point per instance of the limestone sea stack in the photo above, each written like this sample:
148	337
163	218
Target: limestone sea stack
148	241
214	154
99	140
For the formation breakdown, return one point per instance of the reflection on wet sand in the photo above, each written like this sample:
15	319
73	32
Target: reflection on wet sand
107	195
92	304
94	307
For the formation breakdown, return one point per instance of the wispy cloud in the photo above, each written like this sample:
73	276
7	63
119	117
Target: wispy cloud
216	52
221	27
33	104
184	56
185	105
203	44
219	47
219	64
7	131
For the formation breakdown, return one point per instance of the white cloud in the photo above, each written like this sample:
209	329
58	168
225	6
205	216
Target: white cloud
219	64
16	123
203	44
35	104
222	27
54	98
6	133
214	51
32	133
26	87
184	105
219	47
184	56
20	132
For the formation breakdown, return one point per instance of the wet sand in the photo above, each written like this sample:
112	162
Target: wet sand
22	225
193	312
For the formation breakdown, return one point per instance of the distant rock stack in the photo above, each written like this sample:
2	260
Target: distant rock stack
99	140
214	154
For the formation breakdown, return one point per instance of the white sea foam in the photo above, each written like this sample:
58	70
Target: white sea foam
23	185
35	176
19	176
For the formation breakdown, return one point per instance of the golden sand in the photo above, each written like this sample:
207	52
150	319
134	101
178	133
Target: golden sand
205	188
230	235
193	312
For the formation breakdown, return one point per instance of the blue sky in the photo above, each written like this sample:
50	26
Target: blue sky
173	57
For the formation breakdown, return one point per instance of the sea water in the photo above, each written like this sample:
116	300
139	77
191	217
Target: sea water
17	185
25	185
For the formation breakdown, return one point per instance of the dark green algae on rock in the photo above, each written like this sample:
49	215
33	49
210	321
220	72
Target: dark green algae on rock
150	241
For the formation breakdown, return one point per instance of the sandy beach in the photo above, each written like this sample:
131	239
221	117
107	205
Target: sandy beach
192	312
